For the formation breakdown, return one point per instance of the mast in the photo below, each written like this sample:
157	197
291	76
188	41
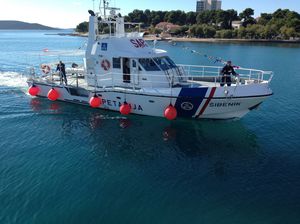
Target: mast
104	7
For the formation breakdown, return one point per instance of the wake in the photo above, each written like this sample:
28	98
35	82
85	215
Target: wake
13	79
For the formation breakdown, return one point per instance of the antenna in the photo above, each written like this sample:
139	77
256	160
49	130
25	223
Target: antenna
106	6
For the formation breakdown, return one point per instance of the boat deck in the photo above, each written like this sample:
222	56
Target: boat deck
190	76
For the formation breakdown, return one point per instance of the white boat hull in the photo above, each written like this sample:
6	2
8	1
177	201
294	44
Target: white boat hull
201	102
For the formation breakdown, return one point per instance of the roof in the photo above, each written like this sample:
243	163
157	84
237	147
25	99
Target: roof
125	47
166	26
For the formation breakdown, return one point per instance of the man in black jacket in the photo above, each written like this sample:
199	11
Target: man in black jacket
62	72
226	74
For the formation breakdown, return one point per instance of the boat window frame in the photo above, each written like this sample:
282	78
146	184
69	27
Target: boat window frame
168	63
115	63
153	68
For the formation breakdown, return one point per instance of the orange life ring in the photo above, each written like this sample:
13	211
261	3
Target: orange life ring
105	64
45	68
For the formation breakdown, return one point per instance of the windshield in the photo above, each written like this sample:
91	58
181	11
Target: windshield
165	63
148	64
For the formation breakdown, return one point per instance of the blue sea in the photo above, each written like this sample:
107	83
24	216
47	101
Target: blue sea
65	163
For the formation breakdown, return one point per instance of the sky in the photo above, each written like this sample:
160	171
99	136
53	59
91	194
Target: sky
69	13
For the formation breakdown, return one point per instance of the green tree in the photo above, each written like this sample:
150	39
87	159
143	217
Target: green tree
147	14
82	27
280	14
138	16
254	31
242	33
157	31
264	18
191	18
287	32
294	23
209	31
225	34
181	31
232	15
200	31
192	30
177	17
223	18
204	17
156	20
247	18
270	32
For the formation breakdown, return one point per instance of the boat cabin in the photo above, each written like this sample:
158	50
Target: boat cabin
120	59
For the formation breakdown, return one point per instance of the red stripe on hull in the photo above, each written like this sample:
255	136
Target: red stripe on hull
212	92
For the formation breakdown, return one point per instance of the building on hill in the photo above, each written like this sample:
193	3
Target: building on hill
204	5
236	24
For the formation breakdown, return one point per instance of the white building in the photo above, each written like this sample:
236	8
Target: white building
203	5
236	24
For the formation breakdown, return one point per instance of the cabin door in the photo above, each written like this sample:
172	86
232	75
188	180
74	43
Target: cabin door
126	70
134	71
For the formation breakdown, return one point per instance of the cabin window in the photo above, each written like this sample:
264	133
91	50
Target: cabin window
165	63
116	62
133	63
171	63
148	64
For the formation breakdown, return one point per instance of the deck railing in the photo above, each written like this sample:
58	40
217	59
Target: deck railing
181	75
184	74
254	75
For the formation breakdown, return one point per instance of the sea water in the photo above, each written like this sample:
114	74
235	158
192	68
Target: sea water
65	163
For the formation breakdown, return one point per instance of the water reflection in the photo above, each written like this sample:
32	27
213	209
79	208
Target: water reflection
189	135
35	104
125	123
144	141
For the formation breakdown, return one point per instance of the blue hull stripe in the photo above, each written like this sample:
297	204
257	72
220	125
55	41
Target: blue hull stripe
189	100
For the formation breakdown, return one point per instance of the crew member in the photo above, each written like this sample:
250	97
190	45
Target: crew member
62	72
226	74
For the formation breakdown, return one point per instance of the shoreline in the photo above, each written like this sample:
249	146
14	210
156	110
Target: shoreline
220	40
203	40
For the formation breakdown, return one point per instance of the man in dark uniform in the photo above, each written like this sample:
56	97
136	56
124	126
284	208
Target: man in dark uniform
226	74
62	72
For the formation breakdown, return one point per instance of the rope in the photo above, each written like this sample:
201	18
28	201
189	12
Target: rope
209	57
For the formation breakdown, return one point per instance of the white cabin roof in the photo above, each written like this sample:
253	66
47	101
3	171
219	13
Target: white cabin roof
125	47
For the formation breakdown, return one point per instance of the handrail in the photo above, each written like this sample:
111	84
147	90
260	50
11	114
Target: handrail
251	74
182	75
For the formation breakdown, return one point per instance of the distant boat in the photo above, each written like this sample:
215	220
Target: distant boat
121	72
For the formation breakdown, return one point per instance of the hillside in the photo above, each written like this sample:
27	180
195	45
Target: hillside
18	25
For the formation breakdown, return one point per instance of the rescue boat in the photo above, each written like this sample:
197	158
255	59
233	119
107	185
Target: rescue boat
122	72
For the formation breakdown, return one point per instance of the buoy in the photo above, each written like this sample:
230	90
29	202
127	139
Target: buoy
170	112
33	90
95	101
125	108
53	94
